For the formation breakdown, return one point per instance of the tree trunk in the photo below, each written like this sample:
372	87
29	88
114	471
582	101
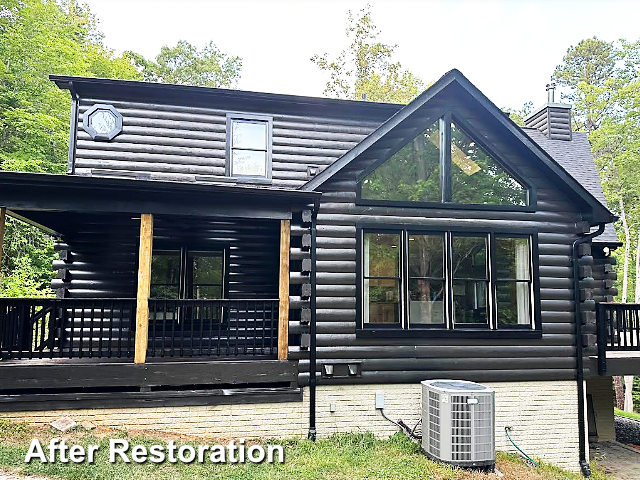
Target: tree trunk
636	298
628	393
627	251
617	382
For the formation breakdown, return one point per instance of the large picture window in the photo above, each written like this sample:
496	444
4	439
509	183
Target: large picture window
444	164
447	280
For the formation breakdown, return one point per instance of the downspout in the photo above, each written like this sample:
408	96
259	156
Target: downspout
584	465
73	129
312	329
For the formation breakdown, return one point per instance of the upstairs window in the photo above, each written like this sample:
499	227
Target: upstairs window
443	164
249	146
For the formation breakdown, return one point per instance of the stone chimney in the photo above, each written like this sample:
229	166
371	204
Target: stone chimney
552	119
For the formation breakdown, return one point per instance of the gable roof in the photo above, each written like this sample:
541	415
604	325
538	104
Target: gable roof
376	140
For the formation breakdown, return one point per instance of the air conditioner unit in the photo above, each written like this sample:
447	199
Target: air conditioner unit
458	423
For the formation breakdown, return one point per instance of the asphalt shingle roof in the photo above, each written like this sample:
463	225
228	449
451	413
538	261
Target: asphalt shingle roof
576	158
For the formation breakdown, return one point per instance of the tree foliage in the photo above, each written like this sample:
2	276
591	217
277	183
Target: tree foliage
40	37
604	85
366	67
594	71
518	115
185	64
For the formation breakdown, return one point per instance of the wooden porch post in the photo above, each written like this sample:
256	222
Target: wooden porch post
144	287
3	218
283	313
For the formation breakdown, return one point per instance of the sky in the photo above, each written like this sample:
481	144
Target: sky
507	48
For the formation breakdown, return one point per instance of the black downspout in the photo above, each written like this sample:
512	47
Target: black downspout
584	465
73	129
312	329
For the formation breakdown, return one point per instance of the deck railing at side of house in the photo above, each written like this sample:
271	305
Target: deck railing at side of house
618	329
66	327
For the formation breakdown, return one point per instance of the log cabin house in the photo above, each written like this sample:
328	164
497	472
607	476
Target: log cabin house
247	264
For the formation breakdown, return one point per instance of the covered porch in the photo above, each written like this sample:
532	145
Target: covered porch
152	277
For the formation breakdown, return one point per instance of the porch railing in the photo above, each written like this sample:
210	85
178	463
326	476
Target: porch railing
102	328
222	328
618	329
65	327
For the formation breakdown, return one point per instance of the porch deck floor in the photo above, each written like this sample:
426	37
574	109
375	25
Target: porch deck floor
124	360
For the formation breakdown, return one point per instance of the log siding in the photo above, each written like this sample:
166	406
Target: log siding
168	140
171	142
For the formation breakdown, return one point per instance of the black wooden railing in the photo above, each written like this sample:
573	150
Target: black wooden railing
618	329
65	327
102	328
222	328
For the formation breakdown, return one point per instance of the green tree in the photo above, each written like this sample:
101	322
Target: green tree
366	67
39	37
518	116
591	71
603	78
185	64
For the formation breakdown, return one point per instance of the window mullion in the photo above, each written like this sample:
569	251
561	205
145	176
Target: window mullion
404	279
448	271
491	264
445	157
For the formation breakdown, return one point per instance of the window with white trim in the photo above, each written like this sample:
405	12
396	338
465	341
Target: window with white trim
249	146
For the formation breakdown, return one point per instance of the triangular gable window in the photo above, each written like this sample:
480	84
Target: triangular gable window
412	174
443	164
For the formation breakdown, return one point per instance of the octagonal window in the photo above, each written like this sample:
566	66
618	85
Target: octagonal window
102	122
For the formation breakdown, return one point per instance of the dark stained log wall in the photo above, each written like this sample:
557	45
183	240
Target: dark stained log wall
170	142
558	222
102	255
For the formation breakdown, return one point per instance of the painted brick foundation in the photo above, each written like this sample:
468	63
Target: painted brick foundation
603	399
542	416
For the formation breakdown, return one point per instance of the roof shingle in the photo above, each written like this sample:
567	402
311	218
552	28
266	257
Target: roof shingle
576	158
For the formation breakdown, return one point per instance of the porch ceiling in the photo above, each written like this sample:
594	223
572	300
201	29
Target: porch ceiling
51	201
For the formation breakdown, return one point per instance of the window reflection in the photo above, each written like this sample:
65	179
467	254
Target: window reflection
412	174
426	279
249	149
478	178
381	289
250	135
470	280
513	284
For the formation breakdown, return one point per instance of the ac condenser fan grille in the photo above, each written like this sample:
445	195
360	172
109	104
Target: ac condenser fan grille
434	424
460	428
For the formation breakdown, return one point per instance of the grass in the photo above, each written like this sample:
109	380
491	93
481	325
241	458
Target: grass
344	456
632	415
